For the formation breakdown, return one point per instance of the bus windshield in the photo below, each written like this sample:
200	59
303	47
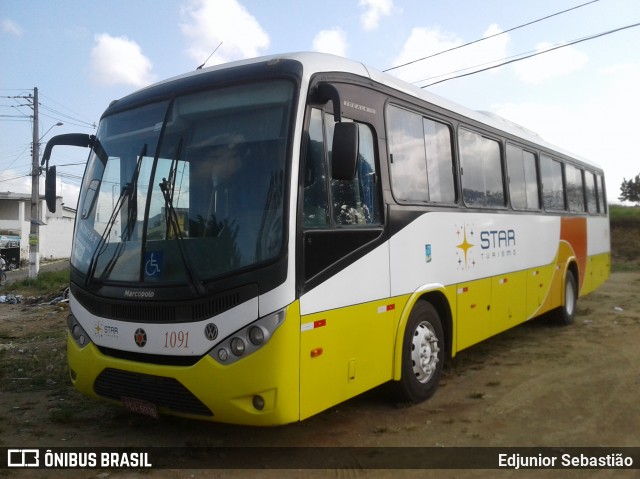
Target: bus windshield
187	190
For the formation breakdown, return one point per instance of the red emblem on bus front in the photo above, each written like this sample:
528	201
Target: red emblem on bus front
140	337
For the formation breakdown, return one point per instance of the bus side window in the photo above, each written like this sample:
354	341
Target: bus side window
315	207
575	188
592	199
602	200
421	158
523	178
552	185
481	168
356	202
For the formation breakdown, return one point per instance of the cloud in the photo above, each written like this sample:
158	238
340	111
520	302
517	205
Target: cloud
331	41
550	65
423	42
11	27
206	23
374	11
119	61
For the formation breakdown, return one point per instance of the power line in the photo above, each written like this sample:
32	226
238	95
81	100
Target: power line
555	47
79	116
491	36
54	114
15	177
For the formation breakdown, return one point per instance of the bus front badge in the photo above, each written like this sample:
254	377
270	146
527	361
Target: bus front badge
211	331
140	337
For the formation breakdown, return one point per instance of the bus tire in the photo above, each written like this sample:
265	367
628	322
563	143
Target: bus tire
422	353
566	313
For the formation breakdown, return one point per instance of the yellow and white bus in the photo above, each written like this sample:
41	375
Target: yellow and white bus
258	241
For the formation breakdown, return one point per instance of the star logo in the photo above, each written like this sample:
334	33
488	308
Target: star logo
465	246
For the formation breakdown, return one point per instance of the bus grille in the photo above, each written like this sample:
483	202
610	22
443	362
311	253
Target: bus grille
164	311
162	391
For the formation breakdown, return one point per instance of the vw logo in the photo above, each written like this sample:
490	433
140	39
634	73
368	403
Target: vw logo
211	331
140	337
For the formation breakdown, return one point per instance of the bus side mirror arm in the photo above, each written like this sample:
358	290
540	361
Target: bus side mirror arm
68	139
344	150
325	92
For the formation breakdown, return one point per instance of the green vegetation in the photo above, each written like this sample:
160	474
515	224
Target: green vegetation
624	215
630	190
46	282
625	232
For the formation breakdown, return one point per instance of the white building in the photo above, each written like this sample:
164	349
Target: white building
55	232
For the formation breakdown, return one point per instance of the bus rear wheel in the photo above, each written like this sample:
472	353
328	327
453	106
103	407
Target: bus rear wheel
422	353
566	313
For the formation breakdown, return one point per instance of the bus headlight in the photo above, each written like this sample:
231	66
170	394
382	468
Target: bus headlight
256	335
78	334
237	346
248	340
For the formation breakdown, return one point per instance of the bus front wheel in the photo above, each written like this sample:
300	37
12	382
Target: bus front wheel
422	353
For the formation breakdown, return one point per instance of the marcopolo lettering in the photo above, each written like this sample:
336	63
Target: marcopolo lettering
138	294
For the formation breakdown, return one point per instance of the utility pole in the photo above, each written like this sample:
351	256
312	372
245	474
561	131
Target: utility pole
34	232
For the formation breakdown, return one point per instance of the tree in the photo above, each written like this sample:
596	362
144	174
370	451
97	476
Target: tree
630	189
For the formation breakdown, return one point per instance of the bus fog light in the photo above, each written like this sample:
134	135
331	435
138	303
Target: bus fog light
237	346
78	334
258	402
223	355
256	335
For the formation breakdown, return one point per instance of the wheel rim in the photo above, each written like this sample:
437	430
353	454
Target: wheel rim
424	352
569	298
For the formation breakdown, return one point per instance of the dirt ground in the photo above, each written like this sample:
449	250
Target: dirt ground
536	385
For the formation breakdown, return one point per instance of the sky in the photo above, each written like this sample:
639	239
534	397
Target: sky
82	54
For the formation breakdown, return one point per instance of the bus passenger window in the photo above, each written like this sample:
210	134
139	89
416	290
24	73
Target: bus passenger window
575	189
602	200
523	179
421	158
592	199
482	183
552	185
408	159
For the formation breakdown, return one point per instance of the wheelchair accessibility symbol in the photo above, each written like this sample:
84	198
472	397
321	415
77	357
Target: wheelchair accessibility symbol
153	264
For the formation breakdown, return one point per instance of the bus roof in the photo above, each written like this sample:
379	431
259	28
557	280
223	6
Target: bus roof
315	62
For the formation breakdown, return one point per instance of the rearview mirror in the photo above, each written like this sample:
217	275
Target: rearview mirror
50	188
344	156
68	139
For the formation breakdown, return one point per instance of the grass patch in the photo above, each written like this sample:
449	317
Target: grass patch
624	215
618	266
625	231
46	282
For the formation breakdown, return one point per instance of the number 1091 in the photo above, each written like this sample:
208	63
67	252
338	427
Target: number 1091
176	339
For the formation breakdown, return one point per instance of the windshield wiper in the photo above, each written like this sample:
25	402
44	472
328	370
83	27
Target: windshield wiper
129	193
167	187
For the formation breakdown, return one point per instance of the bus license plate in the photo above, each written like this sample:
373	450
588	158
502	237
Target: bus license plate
139	406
